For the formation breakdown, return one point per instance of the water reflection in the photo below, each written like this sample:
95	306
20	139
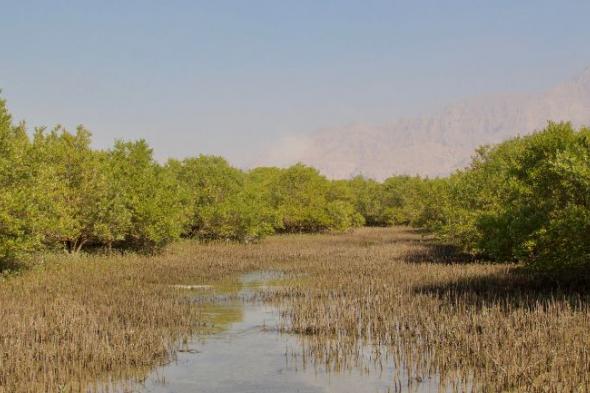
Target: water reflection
249	355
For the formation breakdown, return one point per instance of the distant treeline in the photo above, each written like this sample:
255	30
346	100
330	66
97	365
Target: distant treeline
525	199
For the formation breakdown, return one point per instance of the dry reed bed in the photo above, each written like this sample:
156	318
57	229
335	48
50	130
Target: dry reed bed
81	320
480	327
88	319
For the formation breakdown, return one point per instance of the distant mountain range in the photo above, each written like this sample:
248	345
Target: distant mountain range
438	144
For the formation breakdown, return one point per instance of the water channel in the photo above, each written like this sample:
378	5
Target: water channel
250	355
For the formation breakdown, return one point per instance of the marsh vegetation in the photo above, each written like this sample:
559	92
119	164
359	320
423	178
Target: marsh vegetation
78	324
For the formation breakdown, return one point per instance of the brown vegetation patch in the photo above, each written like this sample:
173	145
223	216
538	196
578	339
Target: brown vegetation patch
485	327
479	326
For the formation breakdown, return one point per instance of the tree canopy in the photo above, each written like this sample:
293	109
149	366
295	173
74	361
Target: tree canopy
526	199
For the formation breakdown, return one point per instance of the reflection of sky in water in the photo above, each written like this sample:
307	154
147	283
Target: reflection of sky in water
247	357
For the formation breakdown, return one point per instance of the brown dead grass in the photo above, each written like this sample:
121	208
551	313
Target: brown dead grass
87	319
480	326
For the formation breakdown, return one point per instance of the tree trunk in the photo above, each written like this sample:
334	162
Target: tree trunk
79	246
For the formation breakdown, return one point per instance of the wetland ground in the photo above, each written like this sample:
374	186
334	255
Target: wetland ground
377	298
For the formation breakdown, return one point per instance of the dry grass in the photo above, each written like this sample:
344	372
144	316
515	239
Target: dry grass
481	327
84	320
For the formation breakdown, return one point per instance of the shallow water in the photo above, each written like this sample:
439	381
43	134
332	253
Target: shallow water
249	355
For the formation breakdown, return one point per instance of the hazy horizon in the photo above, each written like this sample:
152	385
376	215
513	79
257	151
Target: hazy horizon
234	78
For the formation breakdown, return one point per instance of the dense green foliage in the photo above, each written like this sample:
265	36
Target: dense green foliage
21	196
57	192
526	199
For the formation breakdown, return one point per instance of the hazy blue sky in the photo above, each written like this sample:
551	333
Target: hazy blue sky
230	77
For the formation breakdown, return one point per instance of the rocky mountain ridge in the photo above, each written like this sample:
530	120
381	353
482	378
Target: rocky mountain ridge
436	145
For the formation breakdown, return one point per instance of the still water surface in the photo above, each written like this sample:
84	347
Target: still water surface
250	355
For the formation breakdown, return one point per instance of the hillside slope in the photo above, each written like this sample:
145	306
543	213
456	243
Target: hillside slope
438	144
